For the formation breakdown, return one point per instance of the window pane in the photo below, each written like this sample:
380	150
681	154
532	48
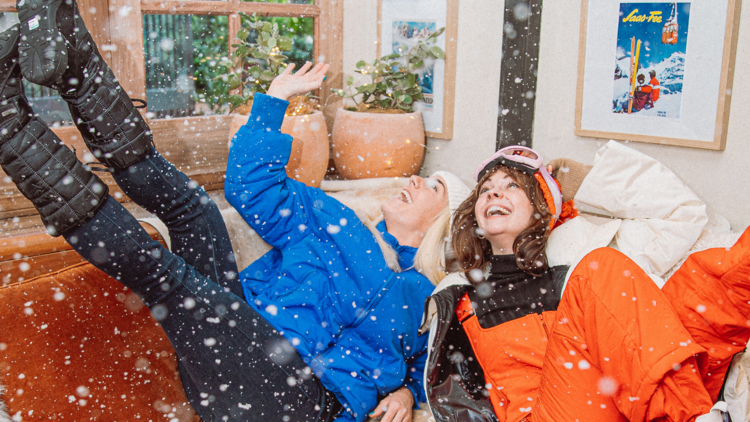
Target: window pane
182	54
45	101
300	30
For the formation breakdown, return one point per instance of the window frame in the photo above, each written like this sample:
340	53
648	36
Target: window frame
119	34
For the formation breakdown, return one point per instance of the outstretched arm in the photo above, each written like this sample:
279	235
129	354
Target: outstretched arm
256	183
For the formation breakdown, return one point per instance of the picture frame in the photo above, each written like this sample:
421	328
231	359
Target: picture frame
670	45
439	88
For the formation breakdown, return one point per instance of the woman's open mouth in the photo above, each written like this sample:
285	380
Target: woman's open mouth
496	210
405	196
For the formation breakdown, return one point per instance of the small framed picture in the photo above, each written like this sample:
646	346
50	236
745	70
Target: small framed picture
402	23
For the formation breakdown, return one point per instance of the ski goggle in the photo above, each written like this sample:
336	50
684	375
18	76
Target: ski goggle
530	162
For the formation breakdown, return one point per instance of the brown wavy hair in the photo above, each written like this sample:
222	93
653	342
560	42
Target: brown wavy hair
473	252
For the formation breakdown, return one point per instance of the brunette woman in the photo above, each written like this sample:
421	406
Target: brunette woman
508	345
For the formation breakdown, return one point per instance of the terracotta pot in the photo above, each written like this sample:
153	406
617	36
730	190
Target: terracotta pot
377	145
309	157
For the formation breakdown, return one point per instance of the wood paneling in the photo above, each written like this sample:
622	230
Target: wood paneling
26	256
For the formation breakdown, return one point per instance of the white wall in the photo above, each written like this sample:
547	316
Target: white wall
722	179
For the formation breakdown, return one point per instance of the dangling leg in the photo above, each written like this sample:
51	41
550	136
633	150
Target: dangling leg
118	136
618	350
711	294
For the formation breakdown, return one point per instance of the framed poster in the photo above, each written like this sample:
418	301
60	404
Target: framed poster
401	24
657	72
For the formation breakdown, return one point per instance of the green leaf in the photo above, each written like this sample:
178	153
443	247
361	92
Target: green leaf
360	64
267	27
391	56
437	52
407	99
236	100
259	54
267	75
265	35
419	64
243	33
421	54
285	43
271	42
371	88
233	82
437	33
350	81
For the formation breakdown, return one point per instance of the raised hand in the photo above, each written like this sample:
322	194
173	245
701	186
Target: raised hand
287	85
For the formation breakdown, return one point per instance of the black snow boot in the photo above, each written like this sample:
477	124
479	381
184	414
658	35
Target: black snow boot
62	189
53	32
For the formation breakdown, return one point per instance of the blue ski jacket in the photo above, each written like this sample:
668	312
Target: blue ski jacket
325	284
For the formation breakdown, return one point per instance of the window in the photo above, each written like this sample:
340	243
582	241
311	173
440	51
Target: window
182	55
162	50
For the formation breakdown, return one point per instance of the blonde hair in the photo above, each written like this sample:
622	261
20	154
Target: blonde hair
430	257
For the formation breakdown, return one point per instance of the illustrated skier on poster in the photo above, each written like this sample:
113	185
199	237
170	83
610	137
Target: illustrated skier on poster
650	59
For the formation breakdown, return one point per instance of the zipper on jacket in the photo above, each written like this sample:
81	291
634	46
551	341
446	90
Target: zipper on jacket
544	325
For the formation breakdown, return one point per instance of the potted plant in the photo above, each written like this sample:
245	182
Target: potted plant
382	136
254	65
